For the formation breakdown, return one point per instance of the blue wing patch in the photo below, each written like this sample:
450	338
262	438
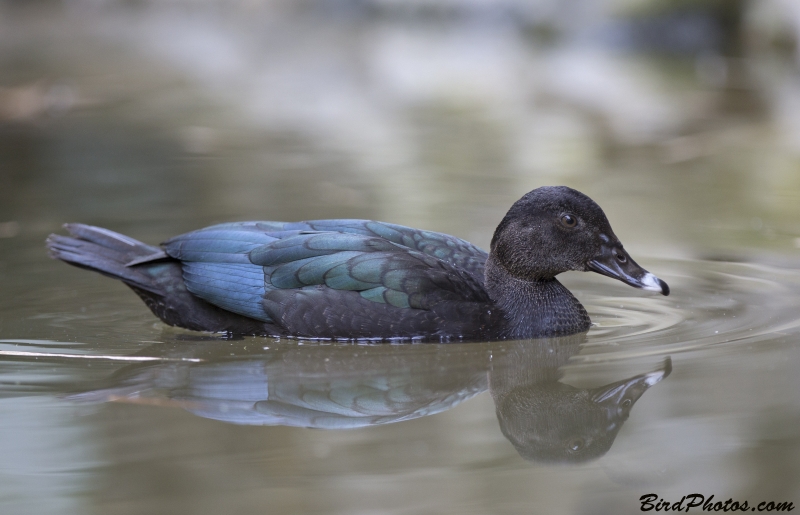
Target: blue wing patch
235	265
231	286
217	245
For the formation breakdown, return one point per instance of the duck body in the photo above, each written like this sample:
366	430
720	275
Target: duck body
361	279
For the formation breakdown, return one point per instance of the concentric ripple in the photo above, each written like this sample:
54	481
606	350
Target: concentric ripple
712	303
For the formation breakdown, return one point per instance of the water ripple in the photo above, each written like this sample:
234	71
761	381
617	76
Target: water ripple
712	304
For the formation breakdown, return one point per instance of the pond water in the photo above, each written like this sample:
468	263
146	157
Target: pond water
103	409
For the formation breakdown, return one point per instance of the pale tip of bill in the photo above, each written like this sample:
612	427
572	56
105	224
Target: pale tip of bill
652	283
654	377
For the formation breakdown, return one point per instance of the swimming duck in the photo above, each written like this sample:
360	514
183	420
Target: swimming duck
361	279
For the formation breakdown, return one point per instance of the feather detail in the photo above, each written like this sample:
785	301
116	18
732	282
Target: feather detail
231	286
268	270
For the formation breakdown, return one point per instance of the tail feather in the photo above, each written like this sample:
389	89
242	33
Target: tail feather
109	239
106	252
154	276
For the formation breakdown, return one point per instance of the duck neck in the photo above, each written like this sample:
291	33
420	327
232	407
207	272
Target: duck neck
536	307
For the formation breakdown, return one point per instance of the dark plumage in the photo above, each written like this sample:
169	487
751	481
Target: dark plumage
362	279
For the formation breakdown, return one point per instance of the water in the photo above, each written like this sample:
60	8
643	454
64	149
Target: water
136	416
695	161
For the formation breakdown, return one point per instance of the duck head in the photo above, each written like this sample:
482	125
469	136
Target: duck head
554	229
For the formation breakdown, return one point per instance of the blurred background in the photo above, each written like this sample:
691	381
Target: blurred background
681	118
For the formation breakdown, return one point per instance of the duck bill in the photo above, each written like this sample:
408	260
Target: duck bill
614	262
633	388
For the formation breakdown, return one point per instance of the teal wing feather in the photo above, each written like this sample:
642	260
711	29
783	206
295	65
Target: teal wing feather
381	271
236	287
216	265
217	244
372	277
445	247
450	249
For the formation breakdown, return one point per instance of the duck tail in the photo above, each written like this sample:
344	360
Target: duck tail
109	253
155	277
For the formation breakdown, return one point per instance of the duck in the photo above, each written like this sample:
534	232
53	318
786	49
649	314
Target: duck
349	279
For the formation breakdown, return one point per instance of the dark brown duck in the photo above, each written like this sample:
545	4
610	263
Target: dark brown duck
360	279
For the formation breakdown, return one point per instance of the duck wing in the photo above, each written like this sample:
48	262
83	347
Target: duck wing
457	252
350	283
450	249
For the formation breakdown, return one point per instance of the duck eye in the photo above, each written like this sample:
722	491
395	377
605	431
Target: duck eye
569	220
576	444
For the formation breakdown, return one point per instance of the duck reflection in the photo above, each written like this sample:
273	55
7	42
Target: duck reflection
342	386
549	421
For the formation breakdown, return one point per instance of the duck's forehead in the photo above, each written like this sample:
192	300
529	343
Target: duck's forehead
572	202
586	208
554	197
558	200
